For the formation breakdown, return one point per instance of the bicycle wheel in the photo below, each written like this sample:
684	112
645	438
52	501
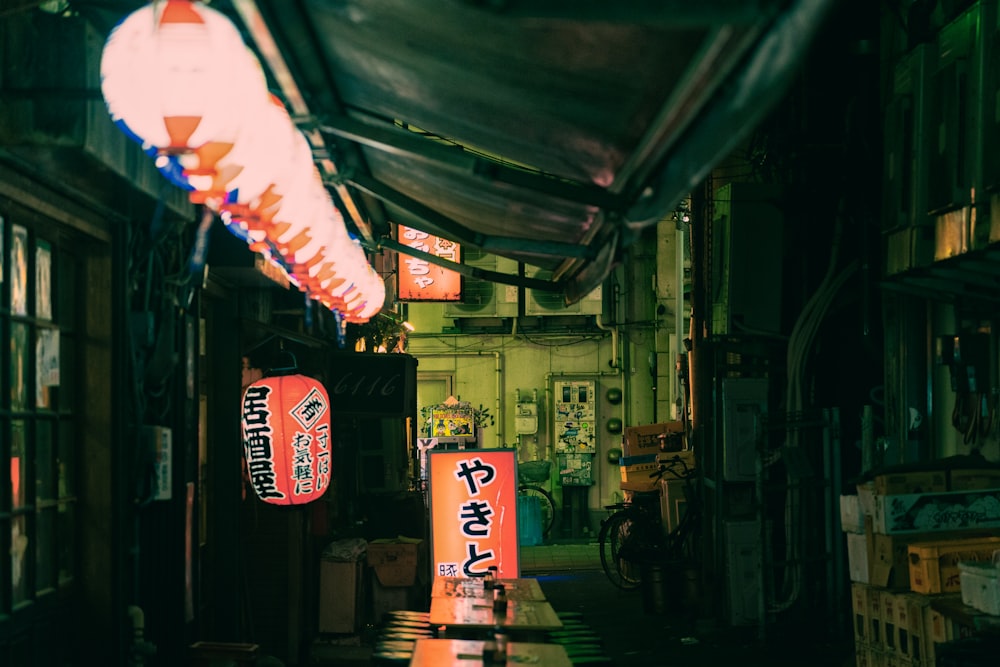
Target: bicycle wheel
615	530
545	503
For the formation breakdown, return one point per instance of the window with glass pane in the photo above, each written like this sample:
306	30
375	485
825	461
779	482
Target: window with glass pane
66	461
66	544
45	551
19	542
18	270
43	281
18	464
19	366
45	475
38	446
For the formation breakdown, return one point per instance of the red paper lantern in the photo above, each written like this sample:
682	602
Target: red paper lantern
286	438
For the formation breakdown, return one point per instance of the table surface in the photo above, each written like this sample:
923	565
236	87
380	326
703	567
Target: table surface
472	587
446	652
477	613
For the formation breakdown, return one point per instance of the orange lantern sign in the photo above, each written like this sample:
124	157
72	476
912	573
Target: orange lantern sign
473	506
286	438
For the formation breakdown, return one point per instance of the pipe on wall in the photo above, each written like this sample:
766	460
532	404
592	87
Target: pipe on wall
679	317
599	323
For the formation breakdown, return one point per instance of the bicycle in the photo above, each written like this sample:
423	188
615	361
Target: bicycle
634	533
529	475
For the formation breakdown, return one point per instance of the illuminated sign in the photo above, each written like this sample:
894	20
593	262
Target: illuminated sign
286	439
452	420
473	505
419	280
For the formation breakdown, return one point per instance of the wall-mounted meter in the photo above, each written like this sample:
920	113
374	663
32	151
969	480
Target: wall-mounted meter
526	418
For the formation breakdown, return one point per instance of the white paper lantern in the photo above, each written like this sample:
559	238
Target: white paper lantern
261	151
179	75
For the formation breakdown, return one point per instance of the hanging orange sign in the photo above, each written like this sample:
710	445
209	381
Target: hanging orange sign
473	505
286	438
419	280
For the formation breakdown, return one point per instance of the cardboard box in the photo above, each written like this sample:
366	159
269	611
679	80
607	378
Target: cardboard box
889	556
911	641
927	512
903	633
852	520
395	561
901	483
636	470
673	502
858	565
887	612
973	479
859	611
889	559
636	477
645	440
934	565
341	596
866	498
937	630
393	598
874	617
862	655
888	563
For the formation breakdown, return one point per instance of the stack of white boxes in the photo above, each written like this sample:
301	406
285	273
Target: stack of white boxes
908	534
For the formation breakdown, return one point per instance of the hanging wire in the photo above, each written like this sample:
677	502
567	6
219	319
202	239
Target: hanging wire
291	365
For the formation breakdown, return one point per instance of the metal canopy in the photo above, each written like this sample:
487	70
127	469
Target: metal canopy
550	132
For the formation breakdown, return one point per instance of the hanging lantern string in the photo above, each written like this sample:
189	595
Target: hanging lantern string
199	249
169	74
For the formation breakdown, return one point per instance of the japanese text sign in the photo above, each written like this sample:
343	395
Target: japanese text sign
286	439
419	280
473	505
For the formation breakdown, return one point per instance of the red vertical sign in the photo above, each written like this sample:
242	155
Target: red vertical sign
419	280
473	507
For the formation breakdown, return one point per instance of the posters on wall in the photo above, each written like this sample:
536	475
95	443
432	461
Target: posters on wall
47	364
43	281
575	436
18	270
452	420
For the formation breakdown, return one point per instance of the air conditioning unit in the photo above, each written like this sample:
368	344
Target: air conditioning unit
545	303
483	298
